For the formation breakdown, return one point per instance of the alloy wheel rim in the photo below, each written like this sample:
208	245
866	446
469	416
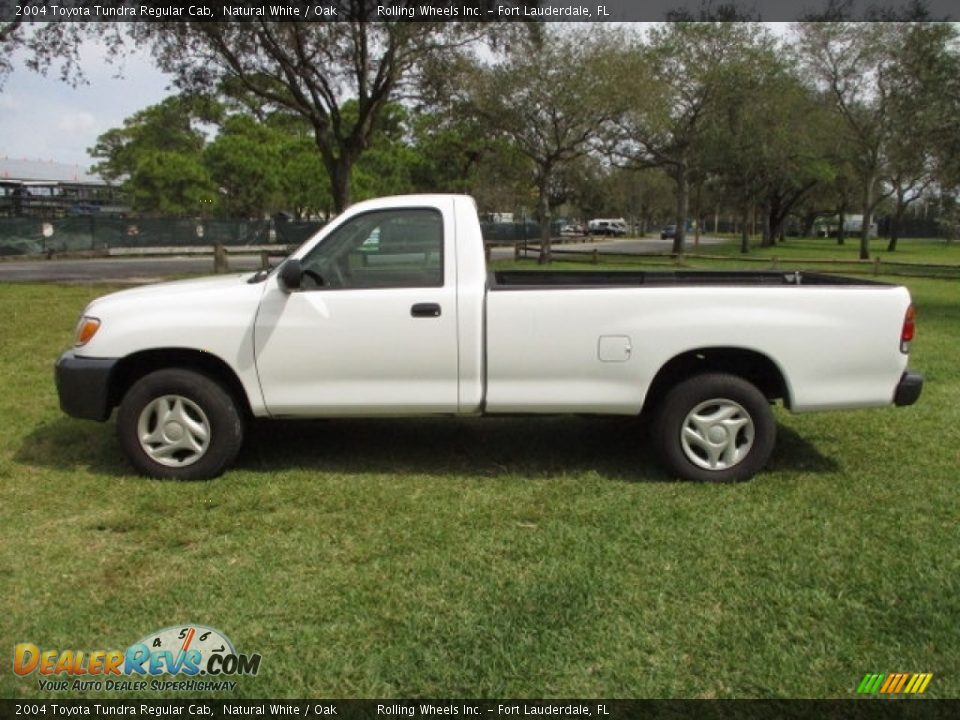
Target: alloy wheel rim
173	431
717	434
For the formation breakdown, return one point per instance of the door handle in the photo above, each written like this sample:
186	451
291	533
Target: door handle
426	310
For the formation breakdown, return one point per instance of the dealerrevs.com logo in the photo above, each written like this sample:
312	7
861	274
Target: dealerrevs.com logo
182	650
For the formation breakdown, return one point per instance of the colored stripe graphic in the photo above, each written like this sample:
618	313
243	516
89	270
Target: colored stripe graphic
870	683
888	682
894	683
901	682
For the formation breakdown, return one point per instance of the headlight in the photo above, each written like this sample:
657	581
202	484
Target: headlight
86	329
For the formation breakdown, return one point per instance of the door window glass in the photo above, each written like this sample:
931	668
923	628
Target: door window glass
381	249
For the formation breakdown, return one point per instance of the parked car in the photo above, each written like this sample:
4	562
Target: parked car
669	232
389	311
572	230
616	227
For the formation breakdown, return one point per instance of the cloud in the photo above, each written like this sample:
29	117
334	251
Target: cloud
45	119
77	123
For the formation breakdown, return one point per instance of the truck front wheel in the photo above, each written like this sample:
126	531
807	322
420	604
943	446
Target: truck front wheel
715	427
179	424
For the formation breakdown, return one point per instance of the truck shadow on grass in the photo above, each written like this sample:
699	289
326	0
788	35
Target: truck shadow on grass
615	448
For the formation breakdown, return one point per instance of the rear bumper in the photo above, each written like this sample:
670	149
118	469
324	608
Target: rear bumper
83	385
908	389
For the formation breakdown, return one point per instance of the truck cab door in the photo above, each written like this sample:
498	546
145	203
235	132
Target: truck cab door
372	329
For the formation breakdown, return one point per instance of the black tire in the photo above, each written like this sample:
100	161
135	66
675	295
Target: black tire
715	427
205	421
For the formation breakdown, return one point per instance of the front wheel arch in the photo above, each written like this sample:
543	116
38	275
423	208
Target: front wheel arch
135	366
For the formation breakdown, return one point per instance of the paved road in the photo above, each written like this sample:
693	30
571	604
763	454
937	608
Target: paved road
145	270
122	270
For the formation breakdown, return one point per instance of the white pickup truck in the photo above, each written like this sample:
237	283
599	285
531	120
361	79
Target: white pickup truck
390	311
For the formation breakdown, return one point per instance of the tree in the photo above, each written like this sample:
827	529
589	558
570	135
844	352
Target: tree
551	102
45	44
245	162
678	75
312	69
387	166
158	156
304	183
742	145
861	67
924	116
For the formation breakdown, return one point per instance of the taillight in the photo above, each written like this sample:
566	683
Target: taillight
909	329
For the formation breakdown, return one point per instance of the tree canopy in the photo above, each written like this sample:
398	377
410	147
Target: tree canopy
833	118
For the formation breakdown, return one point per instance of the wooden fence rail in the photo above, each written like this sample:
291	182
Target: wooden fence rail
874	266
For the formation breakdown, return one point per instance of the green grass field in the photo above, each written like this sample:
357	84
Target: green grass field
493	558
913	258
908	249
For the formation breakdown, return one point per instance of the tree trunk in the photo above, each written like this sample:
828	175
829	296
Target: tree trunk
778	225
339	169
896	220
340	186
765	229
683	199
696	215
867	212
841	230
544	207
744	235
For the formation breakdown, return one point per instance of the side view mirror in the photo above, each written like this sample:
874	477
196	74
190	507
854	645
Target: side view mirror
291	274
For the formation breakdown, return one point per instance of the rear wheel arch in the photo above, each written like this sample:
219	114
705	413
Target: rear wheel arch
752	366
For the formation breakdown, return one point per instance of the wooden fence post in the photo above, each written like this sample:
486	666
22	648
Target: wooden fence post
220	264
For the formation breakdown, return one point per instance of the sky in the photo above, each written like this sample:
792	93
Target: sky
44	118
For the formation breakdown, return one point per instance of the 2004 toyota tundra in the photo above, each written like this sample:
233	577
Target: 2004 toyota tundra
390	311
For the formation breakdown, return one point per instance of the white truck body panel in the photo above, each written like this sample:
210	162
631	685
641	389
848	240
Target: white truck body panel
542	345
212	315
330	352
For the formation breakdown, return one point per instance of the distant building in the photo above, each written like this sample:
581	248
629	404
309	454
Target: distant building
36	188
829	226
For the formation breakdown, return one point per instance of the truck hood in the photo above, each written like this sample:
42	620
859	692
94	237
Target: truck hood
199	290
209	314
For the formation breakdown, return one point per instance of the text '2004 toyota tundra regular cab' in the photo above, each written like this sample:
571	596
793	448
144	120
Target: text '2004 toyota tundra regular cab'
389	311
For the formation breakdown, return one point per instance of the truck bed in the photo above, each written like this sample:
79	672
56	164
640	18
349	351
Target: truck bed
573	279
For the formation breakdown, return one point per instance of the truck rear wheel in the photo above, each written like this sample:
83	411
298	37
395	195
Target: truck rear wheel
715	427
179	424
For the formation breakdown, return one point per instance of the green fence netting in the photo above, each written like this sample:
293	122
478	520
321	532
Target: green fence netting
34	236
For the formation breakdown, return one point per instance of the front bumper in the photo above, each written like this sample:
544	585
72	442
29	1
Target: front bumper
908	389
83	385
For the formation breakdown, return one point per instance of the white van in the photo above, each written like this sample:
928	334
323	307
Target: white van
608	226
